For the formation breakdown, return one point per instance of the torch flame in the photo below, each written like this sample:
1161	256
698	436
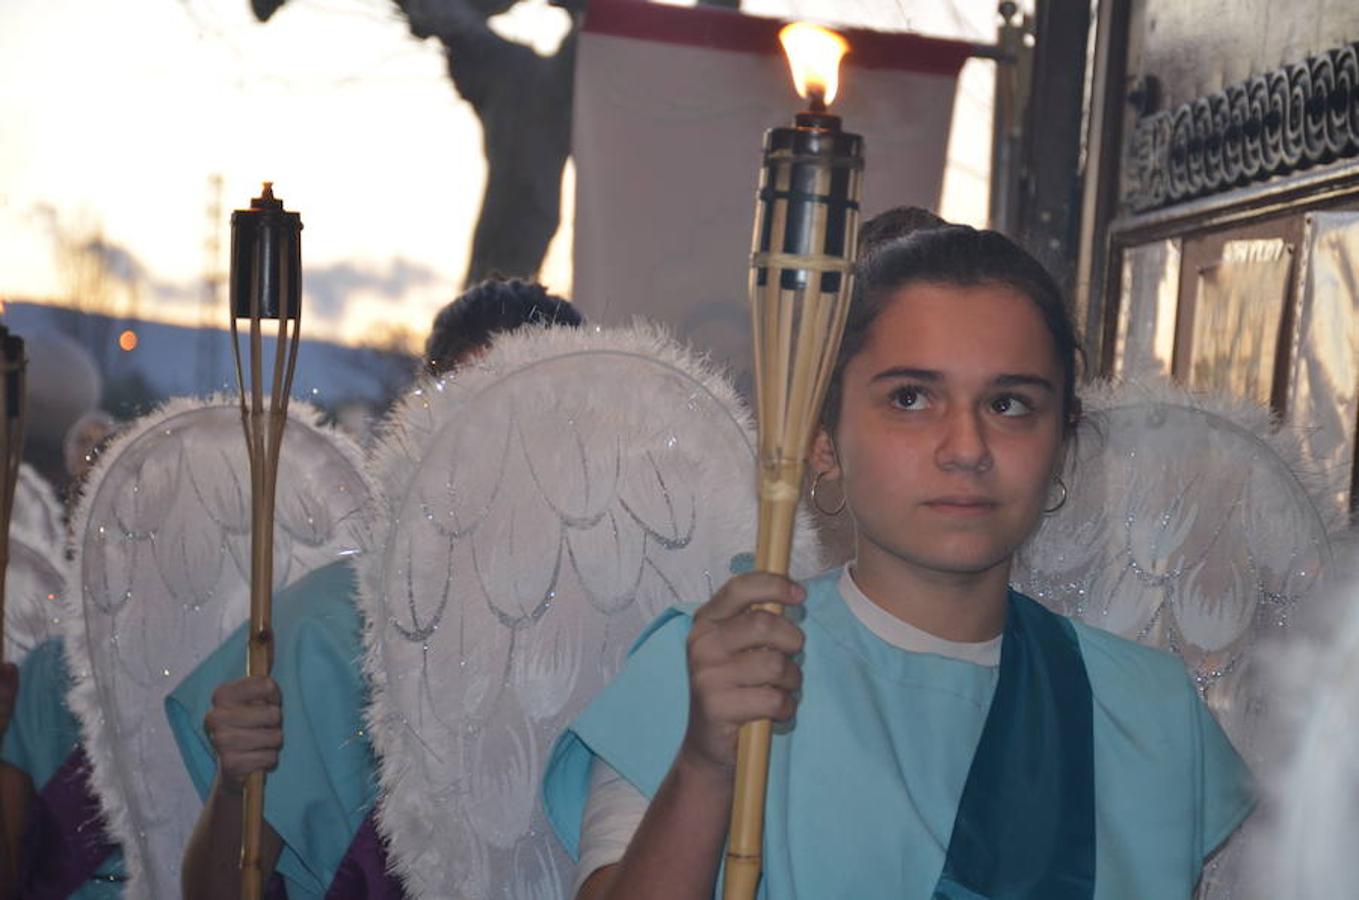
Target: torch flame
814	55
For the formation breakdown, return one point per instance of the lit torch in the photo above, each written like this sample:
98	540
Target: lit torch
266	283
806	230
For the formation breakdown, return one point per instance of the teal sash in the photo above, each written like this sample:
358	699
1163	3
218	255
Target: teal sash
1025	826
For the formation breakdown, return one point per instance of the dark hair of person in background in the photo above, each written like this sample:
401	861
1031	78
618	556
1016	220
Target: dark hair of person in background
465	327
952	255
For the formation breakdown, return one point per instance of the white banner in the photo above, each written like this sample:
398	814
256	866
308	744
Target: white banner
671	105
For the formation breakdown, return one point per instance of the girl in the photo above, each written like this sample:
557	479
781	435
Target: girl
941	735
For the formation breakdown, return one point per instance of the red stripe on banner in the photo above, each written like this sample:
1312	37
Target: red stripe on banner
721	29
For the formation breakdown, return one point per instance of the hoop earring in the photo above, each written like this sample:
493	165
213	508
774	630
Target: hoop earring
1060	503
821	509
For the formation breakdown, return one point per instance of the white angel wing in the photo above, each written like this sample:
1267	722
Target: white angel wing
545	506
35	577
37	512
1187	530
1183	530
34	585
163	560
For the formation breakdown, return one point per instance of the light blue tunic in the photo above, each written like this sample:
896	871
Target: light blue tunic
864	788
324	785
43	734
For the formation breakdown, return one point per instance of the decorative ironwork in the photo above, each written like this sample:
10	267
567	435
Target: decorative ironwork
1302	115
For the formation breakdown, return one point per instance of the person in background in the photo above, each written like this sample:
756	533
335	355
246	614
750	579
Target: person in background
80	448
319	835
64	384
464	329
46	803
45	792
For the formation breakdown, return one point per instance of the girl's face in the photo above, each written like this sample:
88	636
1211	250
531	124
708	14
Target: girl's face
951	426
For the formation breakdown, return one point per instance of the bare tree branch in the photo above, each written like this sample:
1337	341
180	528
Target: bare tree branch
524	103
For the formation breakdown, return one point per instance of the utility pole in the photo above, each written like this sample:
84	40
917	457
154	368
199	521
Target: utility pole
209	309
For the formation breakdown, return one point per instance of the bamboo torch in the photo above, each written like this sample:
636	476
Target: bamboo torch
12	365
266	283
801	268
15	787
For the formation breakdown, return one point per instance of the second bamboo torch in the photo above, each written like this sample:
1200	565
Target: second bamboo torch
15	787
801	269
266	284
12	366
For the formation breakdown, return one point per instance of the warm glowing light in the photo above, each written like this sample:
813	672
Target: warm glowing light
814	55
128	340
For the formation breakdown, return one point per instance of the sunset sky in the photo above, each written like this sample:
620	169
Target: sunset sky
119	116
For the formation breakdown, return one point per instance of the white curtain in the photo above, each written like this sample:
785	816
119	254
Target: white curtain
670	109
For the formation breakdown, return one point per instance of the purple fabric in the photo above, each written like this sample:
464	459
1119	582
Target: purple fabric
65	842
363	872
276	889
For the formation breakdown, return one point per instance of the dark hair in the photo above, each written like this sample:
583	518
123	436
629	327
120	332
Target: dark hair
484	310
955	255
897	222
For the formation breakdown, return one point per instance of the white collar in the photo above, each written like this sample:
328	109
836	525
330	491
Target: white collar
906	636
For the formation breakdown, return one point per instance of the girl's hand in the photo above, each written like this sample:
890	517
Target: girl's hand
245	727
740	666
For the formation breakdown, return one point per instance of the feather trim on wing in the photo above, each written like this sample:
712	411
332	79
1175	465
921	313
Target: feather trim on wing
206	554
34	585
1284	439
545	503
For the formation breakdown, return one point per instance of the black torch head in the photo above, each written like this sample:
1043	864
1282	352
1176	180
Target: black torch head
12	354
812	174
266	259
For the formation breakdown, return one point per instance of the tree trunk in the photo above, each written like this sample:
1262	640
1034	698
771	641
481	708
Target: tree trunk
524	103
